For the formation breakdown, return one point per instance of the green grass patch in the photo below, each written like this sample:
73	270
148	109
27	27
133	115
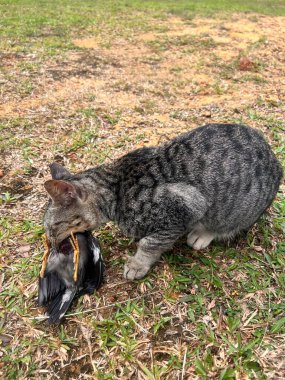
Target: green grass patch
29	24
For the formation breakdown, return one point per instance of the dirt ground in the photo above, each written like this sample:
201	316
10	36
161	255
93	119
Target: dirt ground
95	103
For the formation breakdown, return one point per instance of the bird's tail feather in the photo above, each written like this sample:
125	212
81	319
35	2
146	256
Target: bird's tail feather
60	304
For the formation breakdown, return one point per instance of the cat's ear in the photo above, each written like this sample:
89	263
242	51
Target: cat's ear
64	192
58	171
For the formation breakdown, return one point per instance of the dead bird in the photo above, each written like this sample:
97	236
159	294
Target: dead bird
73	269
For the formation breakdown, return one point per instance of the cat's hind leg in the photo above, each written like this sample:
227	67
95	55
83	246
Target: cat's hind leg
199	237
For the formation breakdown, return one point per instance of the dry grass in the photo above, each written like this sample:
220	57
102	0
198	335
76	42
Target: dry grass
217	314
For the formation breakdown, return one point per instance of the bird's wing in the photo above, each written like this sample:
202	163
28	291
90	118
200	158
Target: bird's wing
49	286
60	304
93	269
96	251
98	265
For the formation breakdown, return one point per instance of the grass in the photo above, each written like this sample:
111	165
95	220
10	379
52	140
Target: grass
153	69
187	42
51	24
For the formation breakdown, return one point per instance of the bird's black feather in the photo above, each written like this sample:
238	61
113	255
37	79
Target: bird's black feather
49	287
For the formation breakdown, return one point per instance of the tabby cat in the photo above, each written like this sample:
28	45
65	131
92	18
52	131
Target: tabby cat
210	183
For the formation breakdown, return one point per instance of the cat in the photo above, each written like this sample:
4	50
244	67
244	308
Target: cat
210	183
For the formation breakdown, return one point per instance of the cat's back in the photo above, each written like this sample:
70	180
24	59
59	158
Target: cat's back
210	153
220	147
215	137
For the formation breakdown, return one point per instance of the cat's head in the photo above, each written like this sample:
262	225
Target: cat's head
68	209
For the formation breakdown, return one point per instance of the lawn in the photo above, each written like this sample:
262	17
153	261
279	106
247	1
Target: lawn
82	83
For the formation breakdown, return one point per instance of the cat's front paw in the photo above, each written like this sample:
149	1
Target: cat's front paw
199	240
134	269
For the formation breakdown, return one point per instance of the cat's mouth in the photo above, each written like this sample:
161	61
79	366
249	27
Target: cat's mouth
64	245
62	236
